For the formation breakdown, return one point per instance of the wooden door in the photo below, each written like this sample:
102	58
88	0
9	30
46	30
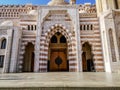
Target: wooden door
84	61
62	54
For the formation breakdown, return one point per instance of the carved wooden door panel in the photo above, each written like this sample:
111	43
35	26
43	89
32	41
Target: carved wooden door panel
58	60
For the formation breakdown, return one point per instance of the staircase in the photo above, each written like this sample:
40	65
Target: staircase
60	81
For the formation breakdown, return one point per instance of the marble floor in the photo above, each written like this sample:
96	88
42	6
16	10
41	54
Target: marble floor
60	79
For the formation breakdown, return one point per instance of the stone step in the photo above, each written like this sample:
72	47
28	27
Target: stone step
60	81
63	88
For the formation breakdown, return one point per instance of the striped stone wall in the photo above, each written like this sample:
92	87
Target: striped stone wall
92	36
28	36
24	42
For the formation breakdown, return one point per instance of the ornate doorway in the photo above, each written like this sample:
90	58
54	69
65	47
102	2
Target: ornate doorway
58	53
87	58
28	62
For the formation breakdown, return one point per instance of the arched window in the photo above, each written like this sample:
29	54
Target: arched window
54	39
91	27
3	44
31	27
112	45
88	27
84	27
116	4
87	58
62	39
28	27
35	27
1	61
80	27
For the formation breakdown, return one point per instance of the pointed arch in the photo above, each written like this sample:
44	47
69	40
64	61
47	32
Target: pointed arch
44	45
28	62
3	43
57	54
63	39
22	55
54	39
87	58
90	43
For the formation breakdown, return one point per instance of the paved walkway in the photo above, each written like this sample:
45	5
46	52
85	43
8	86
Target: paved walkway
60	79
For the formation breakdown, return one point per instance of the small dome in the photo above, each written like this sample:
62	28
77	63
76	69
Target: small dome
57	2
6	23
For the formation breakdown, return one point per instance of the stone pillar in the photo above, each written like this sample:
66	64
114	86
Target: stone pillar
37	44
8	51
78	45
105	48
111	4
104	5
107	23
15	49
99	7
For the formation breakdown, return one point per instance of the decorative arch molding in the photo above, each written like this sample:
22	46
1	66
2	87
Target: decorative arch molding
58	28
83	42
21	54
2	38
90	43
25	44
62	14
44	46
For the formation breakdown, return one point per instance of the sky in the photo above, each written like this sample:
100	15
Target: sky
38	2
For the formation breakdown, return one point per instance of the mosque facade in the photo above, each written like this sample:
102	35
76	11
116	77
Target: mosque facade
60	37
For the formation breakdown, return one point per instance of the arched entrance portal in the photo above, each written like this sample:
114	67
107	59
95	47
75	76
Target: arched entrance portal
58	53
87	58
28	62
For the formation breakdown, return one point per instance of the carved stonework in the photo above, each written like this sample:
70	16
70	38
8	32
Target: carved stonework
57	17
3	32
